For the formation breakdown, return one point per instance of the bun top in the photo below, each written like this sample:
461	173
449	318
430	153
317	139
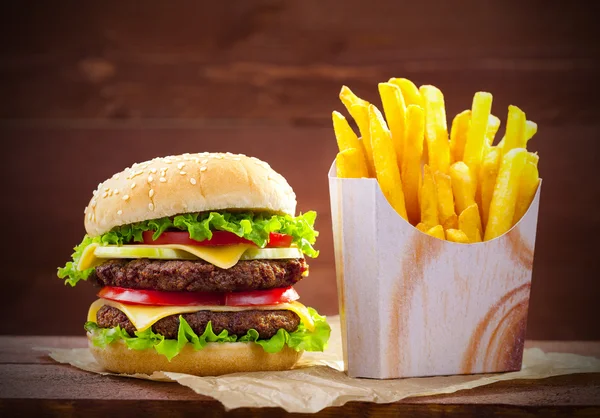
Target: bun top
184	184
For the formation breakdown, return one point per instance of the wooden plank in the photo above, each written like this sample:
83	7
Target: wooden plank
96	408
263	60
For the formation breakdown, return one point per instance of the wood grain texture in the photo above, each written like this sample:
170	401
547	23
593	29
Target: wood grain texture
271	59
34	385
419	306
87	89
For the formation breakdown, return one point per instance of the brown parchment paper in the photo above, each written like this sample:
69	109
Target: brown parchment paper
318	381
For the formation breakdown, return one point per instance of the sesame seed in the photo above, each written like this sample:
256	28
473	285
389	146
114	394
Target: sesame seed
126	197
162	179
85	210
116	191
150	206
93	203
219	157
151	193
133	185
203	168
116	177
193	180
106	189
182	173
168	161
153	170
150	178
104	194
204	161
236	158
119	212
180	165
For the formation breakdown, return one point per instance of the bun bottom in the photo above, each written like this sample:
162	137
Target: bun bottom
214	359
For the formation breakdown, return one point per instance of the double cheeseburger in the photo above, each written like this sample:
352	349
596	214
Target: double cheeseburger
196	256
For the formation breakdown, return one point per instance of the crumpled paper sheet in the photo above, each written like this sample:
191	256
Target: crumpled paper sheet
318	381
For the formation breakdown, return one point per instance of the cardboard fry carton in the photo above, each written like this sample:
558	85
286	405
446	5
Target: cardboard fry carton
413	305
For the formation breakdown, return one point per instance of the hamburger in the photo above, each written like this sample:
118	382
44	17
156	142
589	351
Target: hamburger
196	256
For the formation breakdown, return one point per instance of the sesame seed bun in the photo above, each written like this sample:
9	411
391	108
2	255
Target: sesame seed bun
214	359
184	184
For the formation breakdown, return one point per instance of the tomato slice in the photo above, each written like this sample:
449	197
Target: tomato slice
261	297
162	298
158	297
218	238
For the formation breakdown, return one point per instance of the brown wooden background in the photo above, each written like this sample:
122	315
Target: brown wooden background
87	89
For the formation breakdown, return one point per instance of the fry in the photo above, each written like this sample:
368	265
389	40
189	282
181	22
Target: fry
463	186
446	213
480	114
470	223
345	136
456	235
428	199
410	92
530	130
506	190
359	110
515	130
437	232
350	163
527	188
395	114
414	135
489	173
533	158
458	134
384	158
422	227
436	130
492	128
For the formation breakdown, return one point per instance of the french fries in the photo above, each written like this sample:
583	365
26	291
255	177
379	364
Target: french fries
470	223
458	134
428	199
488	175
515	130
492	128
480	113
436	130
359	110
350	163
456	235
445	198
384	158
411	160
461	188
504	199
345	136
394	109
437	232
527	187
410	92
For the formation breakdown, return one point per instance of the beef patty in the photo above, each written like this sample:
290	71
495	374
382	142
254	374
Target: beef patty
199	275
267	323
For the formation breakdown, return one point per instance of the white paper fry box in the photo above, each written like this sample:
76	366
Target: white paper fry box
413	305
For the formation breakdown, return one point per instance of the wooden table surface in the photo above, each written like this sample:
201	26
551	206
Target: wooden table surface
32	384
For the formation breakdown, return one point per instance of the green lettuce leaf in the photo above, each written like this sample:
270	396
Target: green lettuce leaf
255	227
301	339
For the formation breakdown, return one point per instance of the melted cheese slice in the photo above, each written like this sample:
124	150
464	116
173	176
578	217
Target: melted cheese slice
224	257
144	316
